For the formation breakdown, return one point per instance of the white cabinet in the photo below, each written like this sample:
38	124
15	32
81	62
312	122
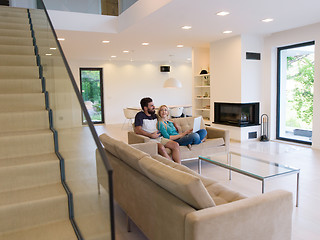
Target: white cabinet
201	97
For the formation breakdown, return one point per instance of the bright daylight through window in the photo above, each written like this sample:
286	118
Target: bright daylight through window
92	93
295	92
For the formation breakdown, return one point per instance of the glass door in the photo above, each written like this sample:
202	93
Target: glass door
295	92
91	84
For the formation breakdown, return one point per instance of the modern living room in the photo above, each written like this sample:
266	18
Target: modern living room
132	71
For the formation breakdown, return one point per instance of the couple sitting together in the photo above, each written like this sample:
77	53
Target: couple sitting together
165	132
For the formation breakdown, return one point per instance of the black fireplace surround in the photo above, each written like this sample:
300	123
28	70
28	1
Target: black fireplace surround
236	114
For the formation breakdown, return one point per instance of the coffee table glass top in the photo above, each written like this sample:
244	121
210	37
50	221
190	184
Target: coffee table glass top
251	166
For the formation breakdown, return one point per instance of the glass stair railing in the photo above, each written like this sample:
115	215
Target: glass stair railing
48	172
91	212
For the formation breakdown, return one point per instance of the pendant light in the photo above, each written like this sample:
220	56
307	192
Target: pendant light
172	82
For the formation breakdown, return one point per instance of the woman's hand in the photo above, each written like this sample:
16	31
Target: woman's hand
188	131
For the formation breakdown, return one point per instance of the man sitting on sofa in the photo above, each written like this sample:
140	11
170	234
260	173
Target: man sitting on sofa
146	124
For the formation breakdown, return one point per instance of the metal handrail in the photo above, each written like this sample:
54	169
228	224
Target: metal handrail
90	124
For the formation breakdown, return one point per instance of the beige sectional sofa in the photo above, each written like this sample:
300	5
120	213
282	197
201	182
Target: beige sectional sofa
218	140
170	201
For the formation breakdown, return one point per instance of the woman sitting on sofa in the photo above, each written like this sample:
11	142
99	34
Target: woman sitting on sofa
170	131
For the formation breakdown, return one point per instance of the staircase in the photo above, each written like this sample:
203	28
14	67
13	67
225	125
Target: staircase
33	202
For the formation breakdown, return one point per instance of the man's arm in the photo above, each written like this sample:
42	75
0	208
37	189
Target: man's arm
138	130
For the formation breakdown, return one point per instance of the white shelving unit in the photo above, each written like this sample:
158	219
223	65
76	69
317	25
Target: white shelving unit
201	97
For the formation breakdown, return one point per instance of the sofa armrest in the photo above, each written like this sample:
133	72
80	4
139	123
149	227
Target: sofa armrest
136	138
267	216
219	133
149	147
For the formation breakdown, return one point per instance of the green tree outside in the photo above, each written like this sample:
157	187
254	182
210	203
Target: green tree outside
91	92
301	69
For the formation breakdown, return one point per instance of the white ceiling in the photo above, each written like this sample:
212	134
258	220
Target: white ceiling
162	28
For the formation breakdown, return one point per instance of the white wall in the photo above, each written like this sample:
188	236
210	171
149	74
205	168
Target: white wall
84	6
269	83
125	4
251	70
125	83
83	22
200	60
225	65
139	11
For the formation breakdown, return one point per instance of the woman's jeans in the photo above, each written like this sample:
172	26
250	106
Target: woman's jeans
192	138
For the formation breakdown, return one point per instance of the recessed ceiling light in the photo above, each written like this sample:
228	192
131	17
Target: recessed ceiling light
180	45
53	48
228	31
113	56
48	54
145	44
125	51
267	20
223	13
105	41
186	27
61	39
188	59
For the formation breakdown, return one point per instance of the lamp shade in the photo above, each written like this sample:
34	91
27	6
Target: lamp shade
172	83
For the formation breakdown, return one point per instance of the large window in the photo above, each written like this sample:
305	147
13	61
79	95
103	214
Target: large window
91	84
295	92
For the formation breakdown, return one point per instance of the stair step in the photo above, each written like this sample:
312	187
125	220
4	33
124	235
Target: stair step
15	33
20	72
22	102
15	19
40	158
29	175
12	9
20	86
17	50
14	14
17	60
27	208
17	26
61	230
5	40
26	143
23	121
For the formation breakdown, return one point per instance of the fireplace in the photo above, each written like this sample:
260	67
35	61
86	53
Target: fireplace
236	114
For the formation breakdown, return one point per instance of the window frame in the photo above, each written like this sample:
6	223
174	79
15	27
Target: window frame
101	92
279	49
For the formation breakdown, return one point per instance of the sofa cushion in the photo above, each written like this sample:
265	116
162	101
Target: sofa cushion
209	143
185	186
125	152
222	195
108	143
186	123
206	181
165	160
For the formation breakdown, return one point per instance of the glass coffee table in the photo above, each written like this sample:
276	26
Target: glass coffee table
252	167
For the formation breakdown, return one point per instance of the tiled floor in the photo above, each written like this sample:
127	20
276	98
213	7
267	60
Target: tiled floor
306	217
